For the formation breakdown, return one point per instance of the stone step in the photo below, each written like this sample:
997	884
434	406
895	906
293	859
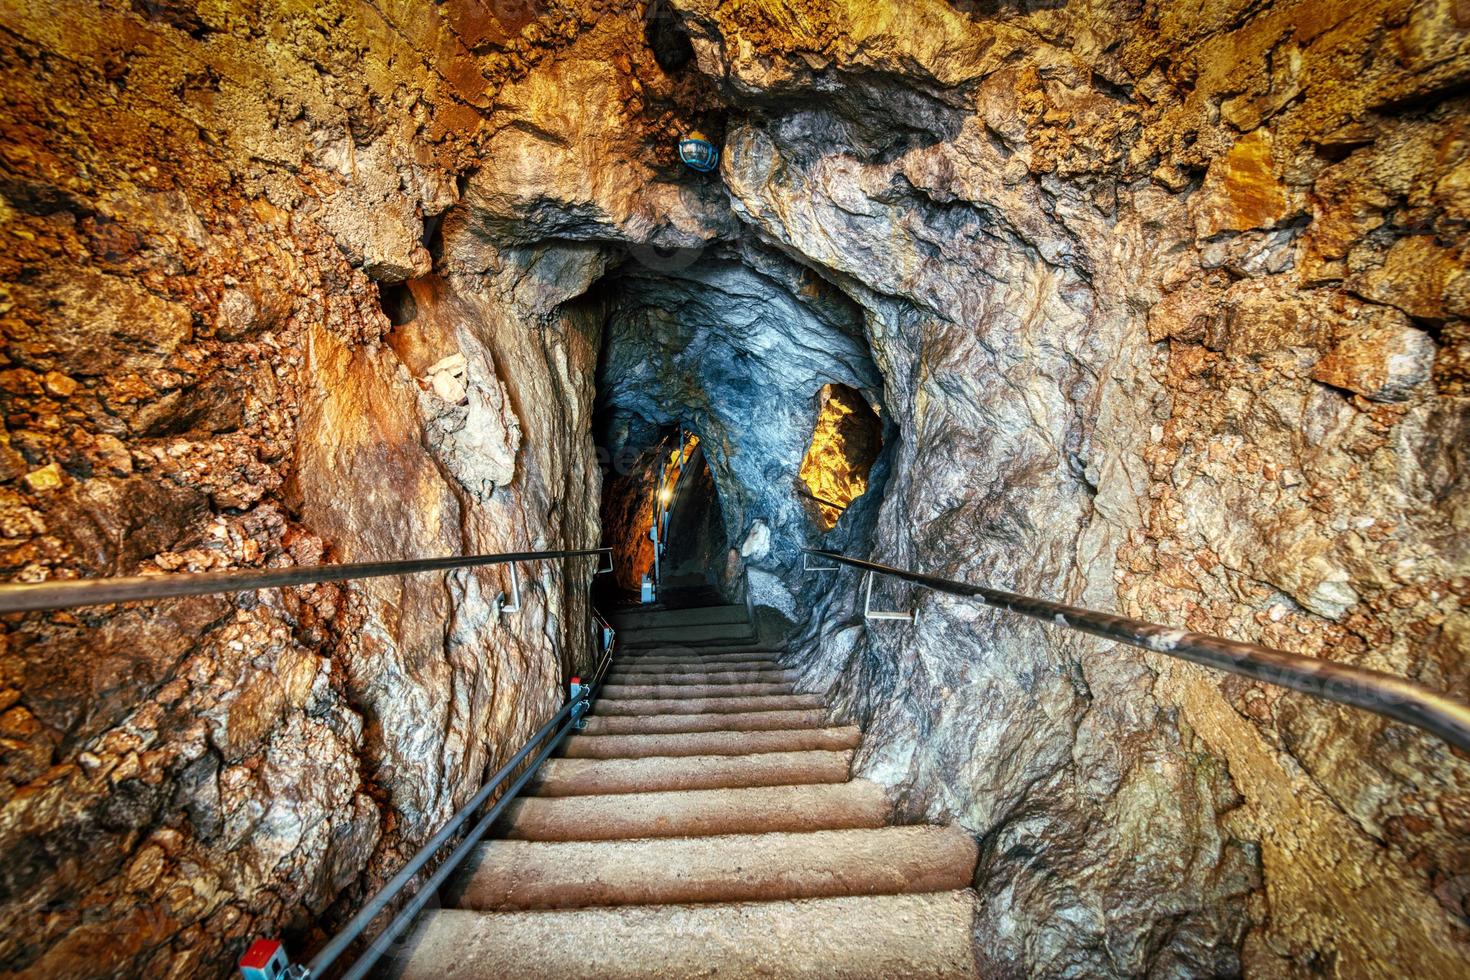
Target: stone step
718	633
710	743
704	706
702	616
746	721
582	777
515	875
687	666
697	659
643	692
870	937
697	813
769	676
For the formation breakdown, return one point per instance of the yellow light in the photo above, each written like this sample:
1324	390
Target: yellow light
665	495
845	442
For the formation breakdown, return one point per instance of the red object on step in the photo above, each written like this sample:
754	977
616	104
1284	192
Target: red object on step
576	680
264	960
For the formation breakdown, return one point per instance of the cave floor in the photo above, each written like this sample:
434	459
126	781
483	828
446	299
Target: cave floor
704	822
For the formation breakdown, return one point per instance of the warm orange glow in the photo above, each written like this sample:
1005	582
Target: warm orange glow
661	494
674	468
845	443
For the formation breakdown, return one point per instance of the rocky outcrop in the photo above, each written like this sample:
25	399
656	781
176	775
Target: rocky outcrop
1164	308
199	374
1126	295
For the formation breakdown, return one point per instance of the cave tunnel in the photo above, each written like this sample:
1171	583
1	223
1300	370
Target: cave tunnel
789	488
661	517
737	345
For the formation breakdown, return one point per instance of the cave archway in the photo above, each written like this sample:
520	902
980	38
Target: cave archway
733	343
694	533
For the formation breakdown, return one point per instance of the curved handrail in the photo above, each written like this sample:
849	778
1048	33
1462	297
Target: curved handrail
1384	694
68	594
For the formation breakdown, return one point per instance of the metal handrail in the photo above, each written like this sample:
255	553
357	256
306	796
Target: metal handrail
802	491
869	613
1384	694
329	953
68	594
567	719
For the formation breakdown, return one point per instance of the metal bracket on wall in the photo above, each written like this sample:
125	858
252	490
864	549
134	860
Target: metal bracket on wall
514	605
807	566
869	613
609	568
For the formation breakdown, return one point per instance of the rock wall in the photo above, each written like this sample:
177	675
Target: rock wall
1167	305
200	208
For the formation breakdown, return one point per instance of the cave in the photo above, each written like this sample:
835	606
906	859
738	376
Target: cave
989	324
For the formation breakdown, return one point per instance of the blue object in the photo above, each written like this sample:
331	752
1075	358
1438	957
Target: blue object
577	697
699	154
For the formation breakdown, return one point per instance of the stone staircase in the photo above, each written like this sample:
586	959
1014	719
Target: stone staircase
704	824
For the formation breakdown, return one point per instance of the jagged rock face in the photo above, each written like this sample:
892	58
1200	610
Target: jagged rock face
199	375
1130	298
1164	304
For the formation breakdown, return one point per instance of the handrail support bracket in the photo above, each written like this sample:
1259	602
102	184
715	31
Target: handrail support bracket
869	613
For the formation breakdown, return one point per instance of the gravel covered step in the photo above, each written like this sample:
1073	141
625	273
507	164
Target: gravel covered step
872	937
687	658
730	649
734	643
687	666
766	676
745	721
718	742
704	706
512	875
619	692
719	633
710	743
580	777
697	813
702	616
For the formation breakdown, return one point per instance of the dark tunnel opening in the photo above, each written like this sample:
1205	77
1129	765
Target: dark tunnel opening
667	37
661	515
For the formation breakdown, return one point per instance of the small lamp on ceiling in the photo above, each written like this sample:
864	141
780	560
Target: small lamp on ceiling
698	153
